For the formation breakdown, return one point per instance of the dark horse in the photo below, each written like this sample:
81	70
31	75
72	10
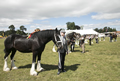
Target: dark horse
35	44
113	36
71	37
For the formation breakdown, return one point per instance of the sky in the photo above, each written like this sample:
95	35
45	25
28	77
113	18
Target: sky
51	14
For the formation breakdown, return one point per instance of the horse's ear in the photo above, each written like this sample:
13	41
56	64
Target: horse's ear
56	29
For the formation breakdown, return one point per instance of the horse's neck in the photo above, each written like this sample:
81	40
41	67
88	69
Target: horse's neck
46	37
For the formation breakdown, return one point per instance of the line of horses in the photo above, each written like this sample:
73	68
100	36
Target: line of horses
37	43
88	38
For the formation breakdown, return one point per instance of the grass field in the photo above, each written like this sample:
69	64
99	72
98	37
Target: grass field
101	62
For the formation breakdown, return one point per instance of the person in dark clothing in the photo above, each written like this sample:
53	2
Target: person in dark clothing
96	38
110	37
72	46
89	40
62	53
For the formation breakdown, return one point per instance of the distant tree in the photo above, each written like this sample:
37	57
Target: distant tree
21	30
100	30
2	33
114	30
7	33
70	25
12	29
96	29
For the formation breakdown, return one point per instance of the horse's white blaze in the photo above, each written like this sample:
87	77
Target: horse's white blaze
13	65
32	71
39	68
5	67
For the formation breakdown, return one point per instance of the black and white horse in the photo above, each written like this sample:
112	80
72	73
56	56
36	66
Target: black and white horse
35	44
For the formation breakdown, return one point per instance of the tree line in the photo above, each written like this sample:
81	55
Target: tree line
105	29
20	31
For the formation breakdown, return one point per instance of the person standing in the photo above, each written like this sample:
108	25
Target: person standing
62	53
110	37
82	44
96	38
89	39
72	45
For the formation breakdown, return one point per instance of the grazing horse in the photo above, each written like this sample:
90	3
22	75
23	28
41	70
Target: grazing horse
69	37
35	44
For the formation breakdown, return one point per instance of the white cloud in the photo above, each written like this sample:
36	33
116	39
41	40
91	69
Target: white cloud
24	12
43	9
114	24
107	16
5	23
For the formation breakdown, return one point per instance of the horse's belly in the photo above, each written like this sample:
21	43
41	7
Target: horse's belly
22	47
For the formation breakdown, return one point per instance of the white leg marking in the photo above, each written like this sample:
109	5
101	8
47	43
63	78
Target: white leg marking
112	40
13	65
32	70
5	68
92	42
54	49
69	50
39	68
72	47
100	38
86	41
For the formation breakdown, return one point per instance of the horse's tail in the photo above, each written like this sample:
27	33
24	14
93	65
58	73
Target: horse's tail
8	43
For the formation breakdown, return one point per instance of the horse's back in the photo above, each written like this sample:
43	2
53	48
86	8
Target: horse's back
10	39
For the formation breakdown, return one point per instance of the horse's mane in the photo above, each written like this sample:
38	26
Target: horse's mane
44	33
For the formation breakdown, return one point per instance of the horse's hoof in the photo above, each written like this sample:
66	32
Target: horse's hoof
70	52
6	69
41	69
14	68
34	73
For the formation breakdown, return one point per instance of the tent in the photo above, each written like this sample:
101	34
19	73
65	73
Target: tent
83	32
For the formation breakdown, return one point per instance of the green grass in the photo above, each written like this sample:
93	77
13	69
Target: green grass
101	62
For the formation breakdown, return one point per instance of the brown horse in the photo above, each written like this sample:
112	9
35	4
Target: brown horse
113	36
